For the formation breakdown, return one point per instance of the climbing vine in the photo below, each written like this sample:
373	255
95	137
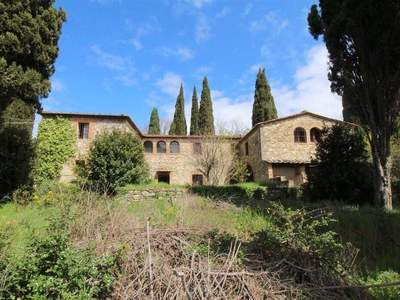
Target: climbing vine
56	140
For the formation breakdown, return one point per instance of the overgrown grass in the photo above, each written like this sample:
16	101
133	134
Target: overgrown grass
291	230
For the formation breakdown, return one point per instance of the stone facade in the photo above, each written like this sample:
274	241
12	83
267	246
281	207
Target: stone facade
273	148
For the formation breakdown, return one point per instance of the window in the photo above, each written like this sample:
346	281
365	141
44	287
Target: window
247	148
197	148
300	135
148	147
197	179
163	177
174	147
315	135
83	130
161	147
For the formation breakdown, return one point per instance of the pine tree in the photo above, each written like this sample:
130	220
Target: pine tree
264	106
154	126
178	125
206	118
29	32
194	118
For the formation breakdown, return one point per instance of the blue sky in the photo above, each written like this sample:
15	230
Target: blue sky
128	56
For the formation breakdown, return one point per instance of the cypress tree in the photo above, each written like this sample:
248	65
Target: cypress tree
178	125
264	106
194	118
206	118
154	125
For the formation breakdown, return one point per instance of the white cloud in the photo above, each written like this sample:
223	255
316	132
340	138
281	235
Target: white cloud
137	44
203	29
198	3
312	88
110	61
182	53
126	80
57	85
224	12
271	21
170	84
227	110
247	9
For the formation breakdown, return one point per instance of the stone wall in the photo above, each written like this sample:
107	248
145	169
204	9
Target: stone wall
183	165
137	195
277	139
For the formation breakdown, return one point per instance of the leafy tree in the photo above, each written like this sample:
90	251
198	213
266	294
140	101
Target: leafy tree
16	147
362	38
116	159
194	117
154	126
29	33
206	117
264	106
342	169
56	140
178	125
16	157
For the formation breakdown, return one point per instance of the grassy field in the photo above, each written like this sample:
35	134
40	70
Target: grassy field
195	248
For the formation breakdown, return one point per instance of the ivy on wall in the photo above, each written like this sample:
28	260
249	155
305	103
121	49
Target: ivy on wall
56	140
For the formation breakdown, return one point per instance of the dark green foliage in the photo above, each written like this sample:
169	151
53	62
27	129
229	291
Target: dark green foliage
178	125
206	117
51	268
342	169
56	141
264	106
16	148
29	33
194	117
116	159
19	114
362	38
154	126
16	159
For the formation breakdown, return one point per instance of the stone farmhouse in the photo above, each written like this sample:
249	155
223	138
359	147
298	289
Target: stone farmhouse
276	149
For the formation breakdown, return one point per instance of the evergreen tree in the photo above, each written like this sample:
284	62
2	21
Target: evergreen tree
264	106
194	118
206	118
178	125
29	33
154	126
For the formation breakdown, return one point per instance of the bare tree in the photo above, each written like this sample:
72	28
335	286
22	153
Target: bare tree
213	157
165	124
231	127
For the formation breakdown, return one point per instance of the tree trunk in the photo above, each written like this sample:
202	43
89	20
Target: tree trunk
382	185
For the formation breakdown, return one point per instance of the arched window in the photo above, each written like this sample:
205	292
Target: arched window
174	147
161	147
315	135
300	135
148	147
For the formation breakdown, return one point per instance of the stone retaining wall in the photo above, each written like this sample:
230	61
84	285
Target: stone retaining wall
136	195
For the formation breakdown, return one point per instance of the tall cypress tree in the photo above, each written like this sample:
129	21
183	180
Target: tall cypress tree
206	118
178	125
264	106
194	118
154	125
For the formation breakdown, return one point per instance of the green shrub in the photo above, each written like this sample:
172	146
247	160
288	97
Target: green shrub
342	169
116	159
51	268
56	141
